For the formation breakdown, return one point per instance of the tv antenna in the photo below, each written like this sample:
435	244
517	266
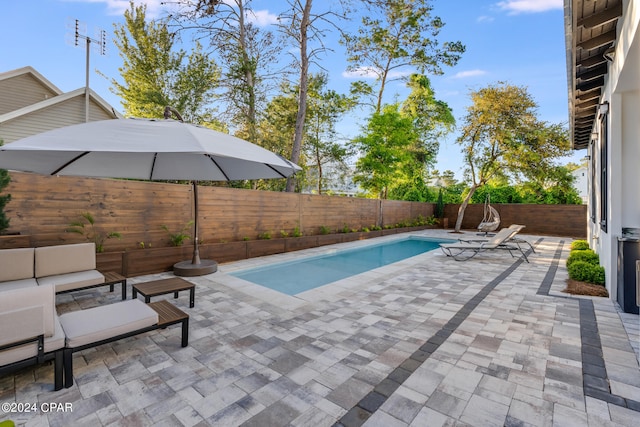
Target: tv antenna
100	42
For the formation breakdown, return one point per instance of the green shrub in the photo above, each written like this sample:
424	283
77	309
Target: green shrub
85	226
587	255
178	238
579	245
324	229
584	271
438	210
264	236
4	181
432	220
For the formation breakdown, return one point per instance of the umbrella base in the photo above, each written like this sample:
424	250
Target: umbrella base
188	269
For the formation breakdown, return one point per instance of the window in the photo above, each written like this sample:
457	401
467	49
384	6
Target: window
604	146
594	199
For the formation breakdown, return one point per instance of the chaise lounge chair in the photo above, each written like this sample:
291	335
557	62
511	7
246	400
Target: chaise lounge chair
464	250
516	240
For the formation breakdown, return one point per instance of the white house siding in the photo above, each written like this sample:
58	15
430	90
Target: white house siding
66	113
581	183
622	93
21	91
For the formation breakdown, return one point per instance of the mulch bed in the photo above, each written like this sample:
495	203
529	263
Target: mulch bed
582	288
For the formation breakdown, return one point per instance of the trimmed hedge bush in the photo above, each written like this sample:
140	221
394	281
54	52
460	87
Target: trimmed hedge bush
584	271
587	255
579	245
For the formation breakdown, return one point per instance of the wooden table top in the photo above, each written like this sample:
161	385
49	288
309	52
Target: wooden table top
167	312
163	286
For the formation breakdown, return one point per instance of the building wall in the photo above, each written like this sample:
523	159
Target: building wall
69	112
622	93
581	182
21	91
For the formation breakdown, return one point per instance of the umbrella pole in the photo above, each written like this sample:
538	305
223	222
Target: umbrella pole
196	251
196	267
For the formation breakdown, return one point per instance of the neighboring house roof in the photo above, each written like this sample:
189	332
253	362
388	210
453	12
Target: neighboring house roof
94	97
32	104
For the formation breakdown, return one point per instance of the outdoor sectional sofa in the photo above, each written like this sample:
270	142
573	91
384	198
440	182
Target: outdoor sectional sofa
66	267
31	332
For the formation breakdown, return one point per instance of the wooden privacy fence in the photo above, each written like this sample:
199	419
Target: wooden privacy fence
43	207
553	220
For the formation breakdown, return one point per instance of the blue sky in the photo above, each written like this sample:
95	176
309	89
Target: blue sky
520	42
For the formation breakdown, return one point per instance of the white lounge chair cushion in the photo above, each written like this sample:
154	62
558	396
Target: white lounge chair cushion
16	264
107	321
42	296
26	351
27	313
18	284
79	279
61	259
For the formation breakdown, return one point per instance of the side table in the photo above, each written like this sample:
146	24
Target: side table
111	278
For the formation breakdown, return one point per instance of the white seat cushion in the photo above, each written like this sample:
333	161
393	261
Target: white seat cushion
62	259
80	279
18	284
107	321
16	264
26	351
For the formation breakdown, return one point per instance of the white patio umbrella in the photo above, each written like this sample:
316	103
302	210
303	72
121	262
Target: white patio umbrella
146	149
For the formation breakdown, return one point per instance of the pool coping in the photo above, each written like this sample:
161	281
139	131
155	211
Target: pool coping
330	291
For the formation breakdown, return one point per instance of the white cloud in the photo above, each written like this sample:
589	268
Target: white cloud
372	73
262	18
362	72
118	7
484	18
529	6
155	8
469	73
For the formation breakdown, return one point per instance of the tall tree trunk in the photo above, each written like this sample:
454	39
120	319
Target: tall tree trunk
249	71
302	94
319	163
463	206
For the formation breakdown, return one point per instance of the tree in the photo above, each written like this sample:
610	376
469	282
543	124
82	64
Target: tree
326	106
556	188
501	135
396	35
432	119
301	25
384	147
156	76
243	51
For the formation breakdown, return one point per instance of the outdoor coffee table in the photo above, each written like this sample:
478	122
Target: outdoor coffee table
169	314
164	286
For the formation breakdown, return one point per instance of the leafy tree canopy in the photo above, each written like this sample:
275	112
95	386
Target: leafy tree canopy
502	136
156	75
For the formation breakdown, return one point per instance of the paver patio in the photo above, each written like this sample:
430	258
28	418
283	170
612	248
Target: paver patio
424	342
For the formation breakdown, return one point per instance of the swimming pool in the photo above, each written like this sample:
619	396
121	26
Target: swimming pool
297	276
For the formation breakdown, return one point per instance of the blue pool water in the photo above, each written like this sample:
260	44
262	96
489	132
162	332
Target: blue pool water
301	275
